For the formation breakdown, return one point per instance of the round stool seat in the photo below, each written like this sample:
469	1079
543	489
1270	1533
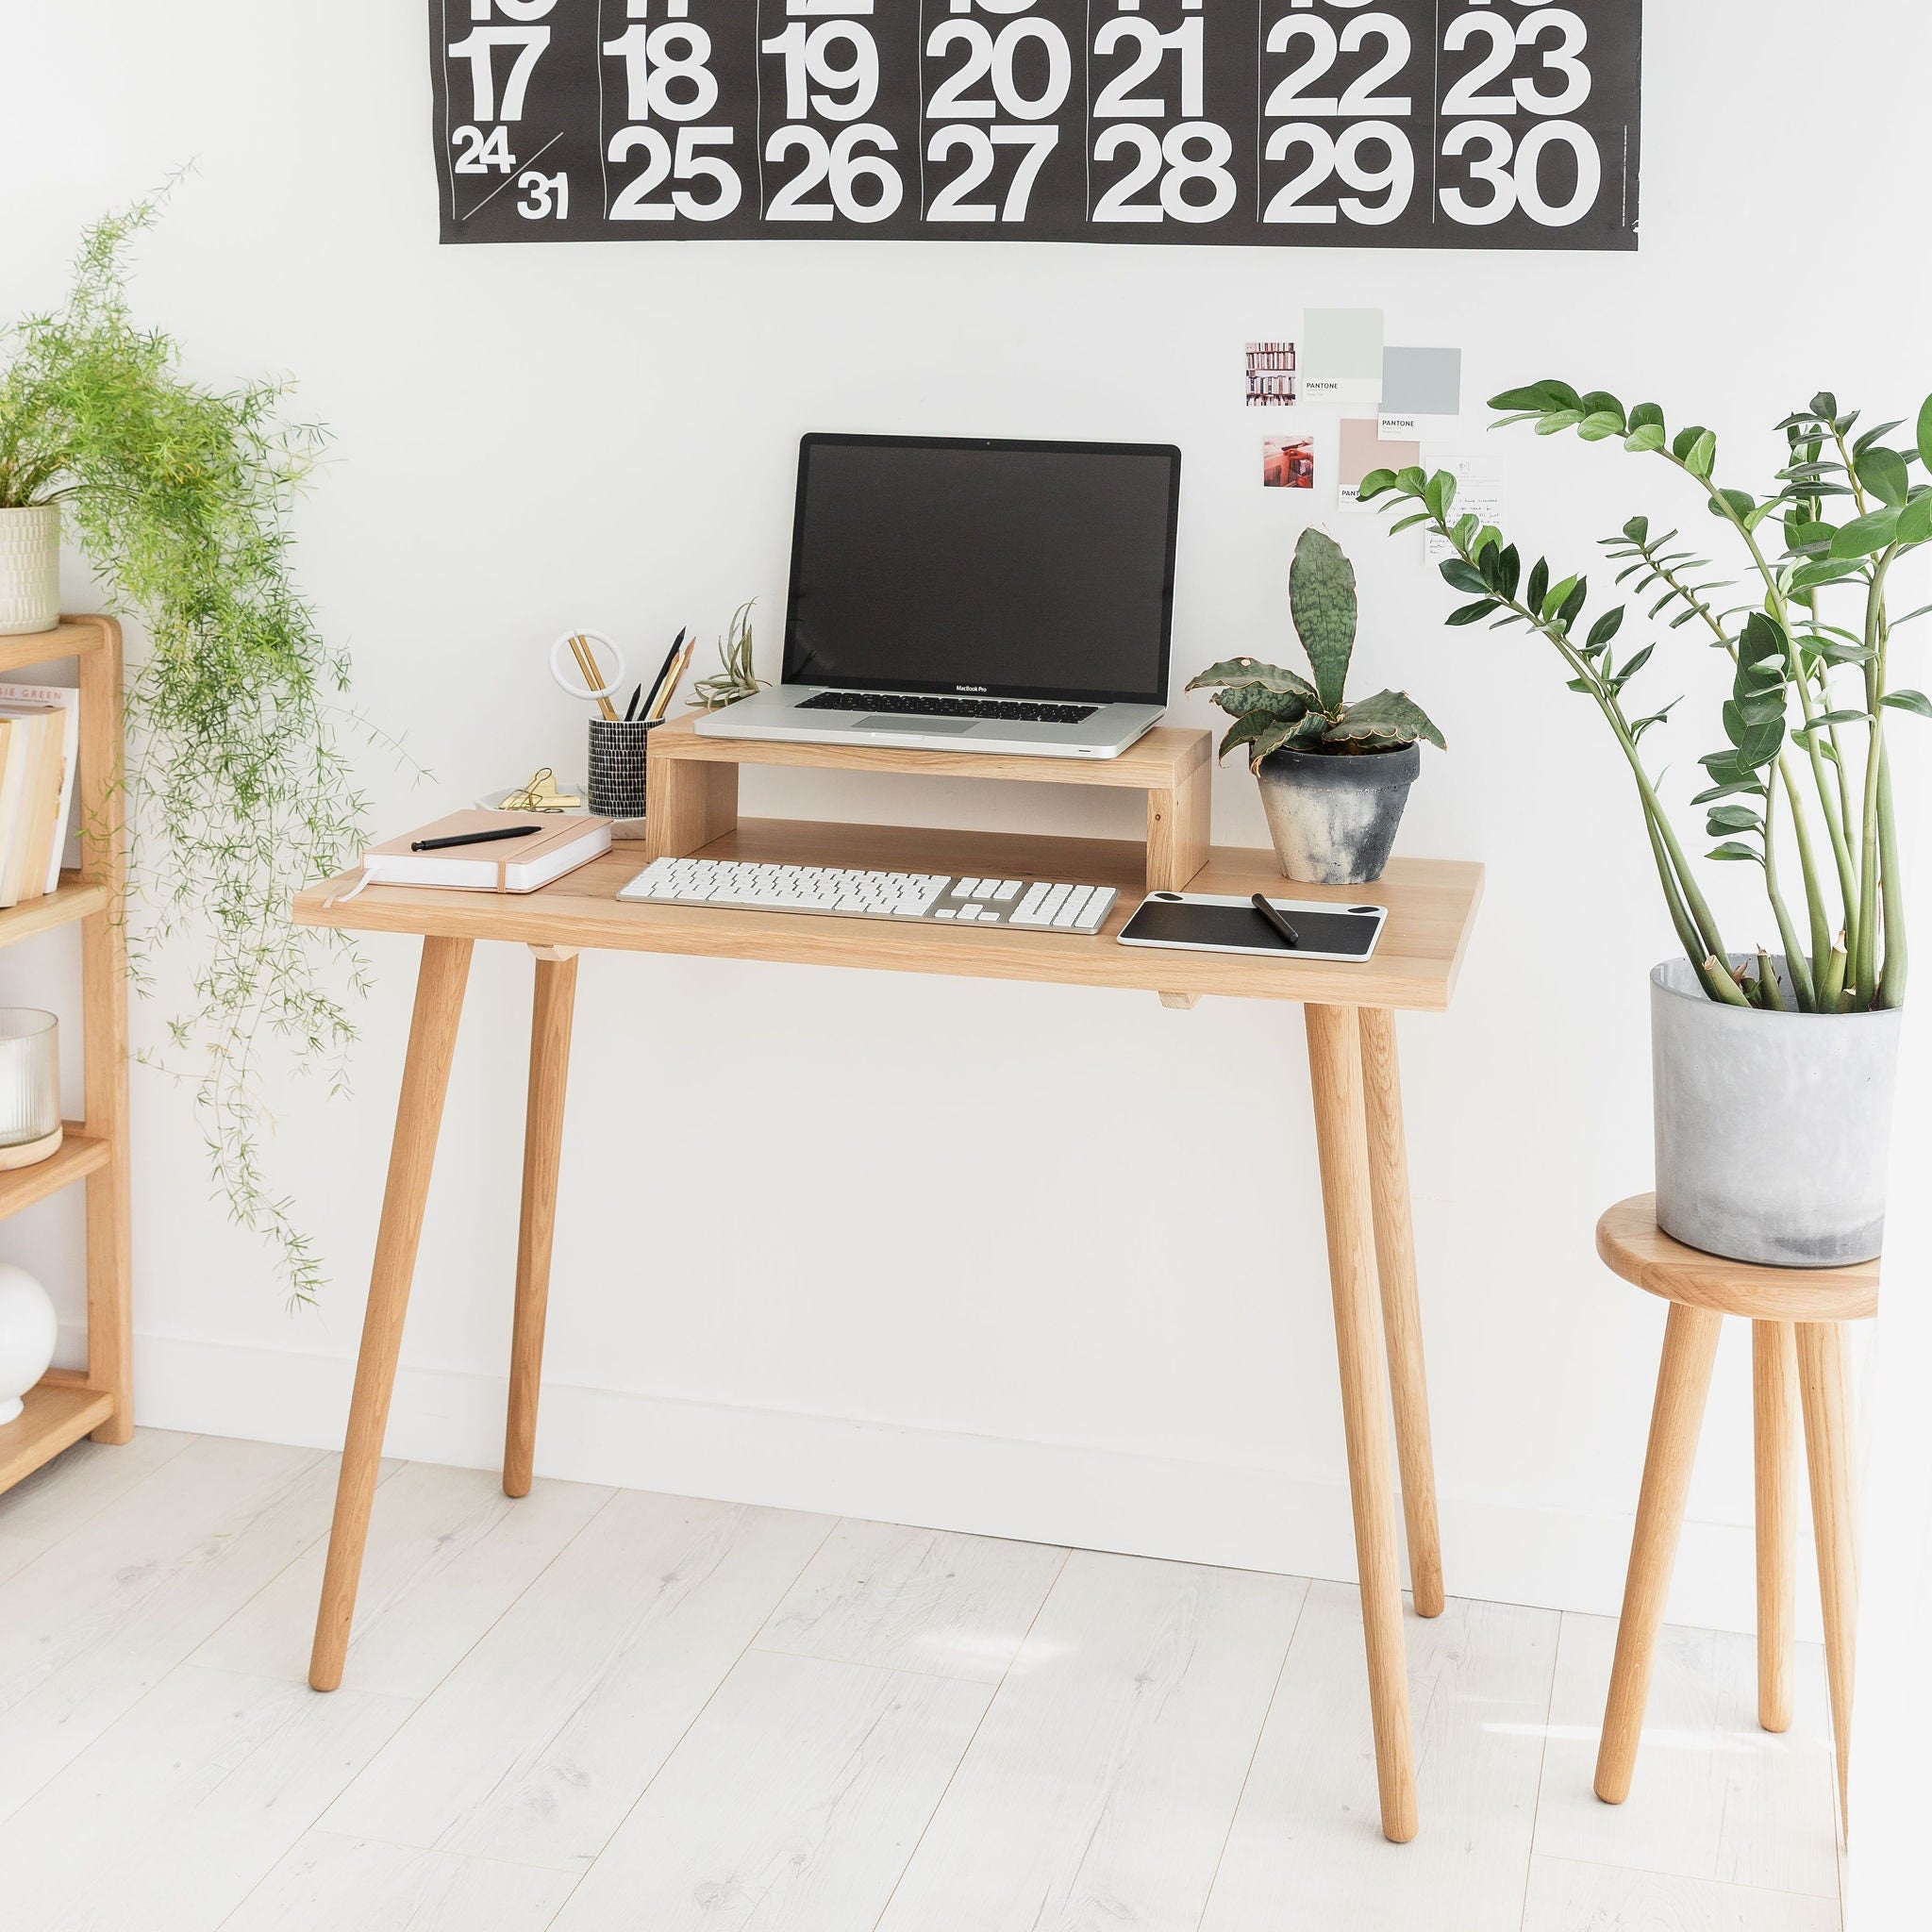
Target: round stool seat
1633	1245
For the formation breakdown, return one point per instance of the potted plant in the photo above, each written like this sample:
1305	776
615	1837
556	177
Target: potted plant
179	496
1334	777
1773	1069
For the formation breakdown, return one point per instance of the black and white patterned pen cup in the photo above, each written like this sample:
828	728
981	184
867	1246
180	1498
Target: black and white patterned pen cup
618	757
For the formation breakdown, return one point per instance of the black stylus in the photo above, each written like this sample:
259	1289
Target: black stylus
473	838
1275	920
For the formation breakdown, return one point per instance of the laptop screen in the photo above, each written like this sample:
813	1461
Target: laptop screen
1017	569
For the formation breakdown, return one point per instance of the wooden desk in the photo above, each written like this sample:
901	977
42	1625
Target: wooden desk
1352	1064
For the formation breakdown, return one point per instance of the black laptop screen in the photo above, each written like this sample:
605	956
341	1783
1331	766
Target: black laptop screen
1021	568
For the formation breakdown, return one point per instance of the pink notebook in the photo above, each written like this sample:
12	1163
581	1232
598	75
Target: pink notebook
503	865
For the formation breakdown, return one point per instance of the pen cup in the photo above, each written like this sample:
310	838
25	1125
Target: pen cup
618	749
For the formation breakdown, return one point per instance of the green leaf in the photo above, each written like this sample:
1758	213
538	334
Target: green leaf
1285	735
1733	818
1240	670
1463	577
1633	667
1547	395
1559	421
1824	719
1606	627
1883	472
1739	503
1601	425
1538	583
1645	437
1866	535
1638	529
1701	458
1471	613
1646	414
1245	730
1808	576
1238	700
1390	715
1421	516
1915	520
1553	599
1761	640
1571	605
1377	483
1734	848
1440	495
1925	433
1322	601
1913	701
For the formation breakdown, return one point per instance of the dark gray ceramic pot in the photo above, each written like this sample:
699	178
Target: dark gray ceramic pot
1333	815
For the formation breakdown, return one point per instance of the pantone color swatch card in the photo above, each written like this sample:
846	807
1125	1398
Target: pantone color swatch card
1341	357
1422	392
1363	449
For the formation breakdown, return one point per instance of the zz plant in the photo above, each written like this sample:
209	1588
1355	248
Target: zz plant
179	493
1275	709
1805	769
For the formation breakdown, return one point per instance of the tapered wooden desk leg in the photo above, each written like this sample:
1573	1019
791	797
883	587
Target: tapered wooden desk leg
1335	1067
550	1020
1682	1383
1774	1401
439	982
1824	1379
1401	1321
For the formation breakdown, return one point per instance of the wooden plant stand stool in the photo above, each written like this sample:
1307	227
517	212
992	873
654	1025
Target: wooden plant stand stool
1797	1337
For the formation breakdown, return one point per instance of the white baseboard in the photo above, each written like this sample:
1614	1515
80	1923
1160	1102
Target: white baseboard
1241	1516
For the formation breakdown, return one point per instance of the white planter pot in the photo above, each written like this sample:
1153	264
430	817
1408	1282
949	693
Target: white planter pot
29	569
1773	1129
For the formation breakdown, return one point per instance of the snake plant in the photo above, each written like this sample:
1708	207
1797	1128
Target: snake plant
1275	709
1805	769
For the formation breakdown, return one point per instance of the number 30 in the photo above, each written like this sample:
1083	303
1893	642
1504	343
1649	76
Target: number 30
1513	186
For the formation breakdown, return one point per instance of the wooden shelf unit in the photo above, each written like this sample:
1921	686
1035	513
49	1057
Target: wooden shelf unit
98	1401
692	785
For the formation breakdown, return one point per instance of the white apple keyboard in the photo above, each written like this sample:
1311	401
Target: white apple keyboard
823	888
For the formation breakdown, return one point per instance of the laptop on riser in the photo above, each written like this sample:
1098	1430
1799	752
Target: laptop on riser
971	594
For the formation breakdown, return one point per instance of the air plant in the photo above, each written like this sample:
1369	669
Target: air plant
736	679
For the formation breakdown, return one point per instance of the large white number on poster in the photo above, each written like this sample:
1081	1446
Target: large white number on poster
950	204
1394	180
652	71
838	165
1519	185
1359	96
479	50
809	58
685	164
988	58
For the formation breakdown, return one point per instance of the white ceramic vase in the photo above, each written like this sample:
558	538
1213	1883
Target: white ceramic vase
29	569
28	1334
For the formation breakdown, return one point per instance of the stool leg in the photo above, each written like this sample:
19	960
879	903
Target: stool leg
1824	1380
1773	1388
1682	1381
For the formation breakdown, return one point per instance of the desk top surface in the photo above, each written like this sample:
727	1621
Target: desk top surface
1431	907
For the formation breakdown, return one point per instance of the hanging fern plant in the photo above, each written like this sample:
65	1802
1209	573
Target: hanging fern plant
239	793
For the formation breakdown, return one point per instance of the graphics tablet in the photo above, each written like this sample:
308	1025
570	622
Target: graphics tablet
1199	923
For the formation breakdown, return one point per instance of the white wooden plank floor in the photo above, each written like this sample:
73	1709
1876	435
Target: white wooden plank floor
612	1711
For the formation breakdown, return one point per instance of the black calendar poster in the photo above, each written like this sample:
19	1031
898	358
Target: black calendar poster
1391	123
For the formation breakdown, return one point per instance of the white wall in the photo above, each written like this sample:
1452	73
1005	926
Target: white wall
1090	1302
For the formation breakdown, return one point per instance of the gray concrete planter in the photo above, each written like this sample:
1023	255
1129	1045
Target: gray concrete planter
1773	1129
1333	815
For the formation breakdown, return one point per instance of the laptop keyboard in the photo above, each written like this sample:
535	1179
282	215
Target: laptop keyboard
937	896
913	705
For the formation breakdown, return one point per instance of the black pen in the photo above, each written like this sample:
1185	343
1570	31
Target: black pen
664	670
631	710
473	838
1275	920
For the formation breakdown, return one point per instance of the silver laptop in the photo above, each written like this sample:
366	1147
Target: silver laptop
964	594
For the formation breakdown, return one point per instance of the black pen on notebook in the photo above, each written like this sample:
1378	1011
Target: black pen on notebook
1275	920
473	838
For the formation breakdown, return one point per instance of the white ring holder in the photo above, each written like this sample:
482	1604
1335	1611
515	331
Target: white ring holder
574	681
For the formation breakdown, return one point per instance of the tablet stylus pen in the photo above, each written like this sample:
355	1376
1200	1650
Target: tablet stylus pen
1275	920
473	838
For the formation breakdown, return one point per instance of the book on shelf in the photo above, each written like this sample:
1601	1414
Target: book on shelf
39	740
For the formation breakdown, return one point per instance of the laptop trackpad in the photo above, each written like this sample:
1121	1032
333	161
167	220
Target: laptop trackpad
925	727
